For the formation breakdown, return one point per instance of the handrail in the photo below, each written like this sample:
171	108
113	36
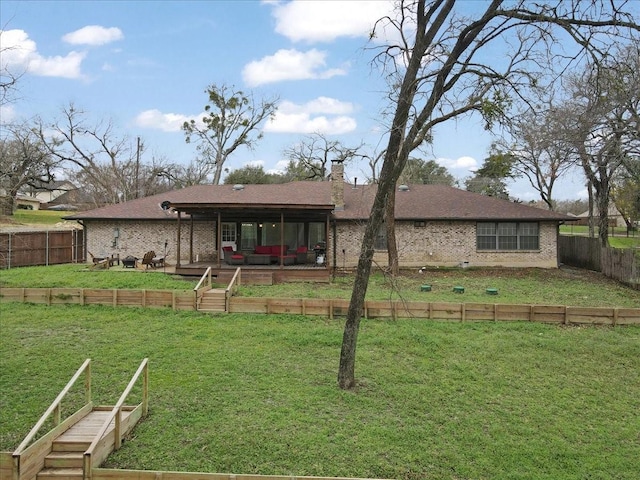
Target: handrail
116	413
55	406
231	288
206	276
116	409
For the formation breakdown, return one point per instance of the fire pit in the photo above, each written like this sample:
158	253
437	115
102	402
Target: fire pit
130	262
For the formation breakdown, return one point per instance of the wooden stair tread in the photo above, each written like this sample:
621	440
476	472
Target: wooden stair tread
60	473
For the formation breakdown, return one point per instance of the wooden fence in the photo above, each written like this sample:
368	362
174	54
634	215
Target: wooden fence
21	249
585	252
621	265
461	312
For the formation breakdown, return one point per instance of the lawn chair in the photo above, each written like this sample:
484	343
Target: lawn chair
148	259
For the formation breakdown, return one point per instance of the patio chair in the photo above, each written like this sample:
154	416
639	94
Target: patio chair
227	252
148	259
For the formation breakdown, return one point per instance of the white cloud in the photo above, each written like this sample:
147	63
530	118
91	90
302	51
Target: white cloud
289	65
464	163
20	54
321	115
7	114
58	66
301	20
93	35
155	119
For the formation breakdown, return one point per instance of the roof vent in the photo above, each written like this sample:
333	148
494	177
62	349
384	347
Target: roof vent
403	188
238	186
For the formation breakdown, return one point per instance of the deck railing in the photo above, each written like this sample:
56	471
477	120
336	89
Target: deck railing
55	409
116	413
235	282
203	286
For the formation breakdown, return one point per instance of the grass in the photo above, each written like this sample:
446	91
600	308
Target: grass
82	276
531	286
38	217
435	400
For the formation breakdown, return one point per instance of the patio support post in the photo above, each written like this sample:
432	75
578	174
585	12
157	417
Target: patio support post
178	240
326	241
218	240
282	254
191	239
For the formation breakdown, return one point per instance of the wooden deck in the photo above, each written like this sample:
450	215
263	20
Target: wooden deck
258	274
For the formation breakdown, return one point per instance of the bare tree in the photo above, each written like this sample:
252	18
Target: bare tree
310	158
443	74
232	120
603	123
538	153
106	165
23	162
9	77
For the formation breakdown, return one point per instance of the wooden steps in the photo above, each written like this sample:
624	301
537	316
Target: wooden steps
60	474
213	300
65	460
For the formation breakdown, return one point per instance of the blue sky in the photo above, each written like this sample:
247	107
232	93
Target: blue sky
145	65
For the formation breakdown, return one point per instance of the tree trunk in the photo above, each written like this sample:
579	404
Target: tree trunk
602	200
6	205
346	371
590	217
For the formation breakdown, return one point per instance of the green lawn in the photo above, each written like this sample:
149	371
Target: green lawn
530	286
257	394
38	217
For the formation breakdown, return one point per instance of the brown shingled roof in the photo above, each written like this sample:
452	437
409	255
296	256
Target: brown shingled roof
440	202
292	195
419	202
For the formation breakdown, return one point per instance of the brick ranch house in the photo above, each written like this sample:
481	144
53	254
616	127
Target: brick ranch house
436	225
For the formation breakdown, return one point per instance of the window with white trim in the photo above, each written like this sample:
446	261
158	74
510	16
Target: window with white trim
507	236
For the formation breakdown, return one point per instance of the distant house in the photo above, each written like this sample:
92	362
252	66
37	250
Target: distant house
27	203
56	195
48	192
615	217
436	225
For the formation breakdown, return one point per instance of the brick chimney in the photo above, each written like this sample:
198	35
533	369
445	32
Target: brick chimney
337	184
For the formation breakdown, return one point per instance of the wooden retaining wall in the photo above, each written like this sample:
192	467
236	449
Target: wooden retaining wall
461	312
175	299
6	473
112	474
6	465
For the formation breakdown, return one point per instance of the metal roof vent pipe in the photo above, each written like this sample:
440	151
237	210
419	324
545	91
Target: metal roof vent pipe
238	186
403	188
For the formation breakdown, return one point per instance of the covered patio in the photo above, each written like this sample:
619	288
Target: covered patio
280	242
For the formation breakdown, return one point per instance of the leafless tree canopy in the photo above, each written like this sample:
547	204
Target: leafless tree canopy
106	166
23	162
310	158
